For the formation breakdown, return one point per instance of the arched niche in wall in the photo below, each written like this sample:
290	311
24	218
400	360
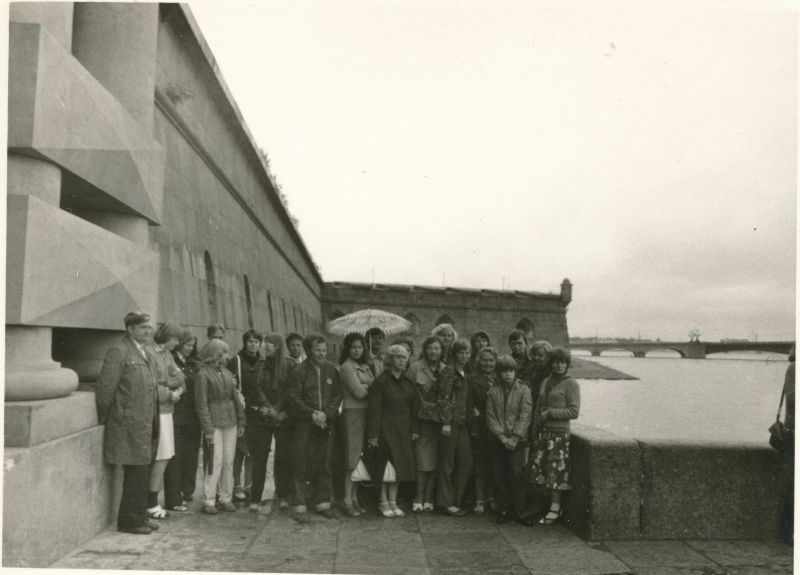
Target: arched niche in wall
249	302
211	287
527	326
416	324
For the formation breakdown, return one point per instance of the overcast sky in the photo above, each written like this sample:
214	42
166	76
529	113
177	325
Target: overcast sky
650	156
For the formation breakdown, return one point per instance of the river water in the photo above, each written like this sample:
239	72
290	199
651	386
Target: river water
732	398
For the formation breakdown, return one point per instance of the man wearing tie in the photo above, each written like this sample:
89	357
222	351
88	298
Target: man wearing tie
127	403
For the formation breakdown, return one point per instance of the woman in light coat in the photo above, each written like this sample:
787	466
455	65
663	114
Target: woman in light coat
356	378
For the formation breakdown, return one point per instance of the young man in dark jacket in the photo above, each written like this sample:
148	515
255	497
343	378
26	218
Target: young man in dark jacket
313	399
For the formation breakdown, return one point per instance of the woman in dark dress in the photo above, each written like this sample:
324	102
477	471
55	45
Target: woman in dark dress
392	425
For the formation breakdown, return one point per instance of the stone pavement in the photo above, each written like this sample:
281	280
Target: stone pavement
412	545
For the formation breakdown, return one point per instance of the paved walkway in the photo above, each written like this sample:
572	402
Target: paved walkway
412	545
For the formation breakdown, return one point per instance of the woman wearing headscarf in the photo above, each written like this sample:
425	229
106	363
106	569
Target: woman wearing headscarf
392	426
180	475
446	334
455	453
274	384
479	384
424	374
170	381
356	379
222	420
559	402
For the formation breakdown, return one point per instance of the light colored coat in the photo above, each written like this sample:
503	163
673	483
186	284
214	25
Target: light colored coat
509	415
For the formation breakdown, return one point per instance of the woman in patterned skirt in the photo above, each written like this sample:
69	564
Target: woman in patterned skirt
559	402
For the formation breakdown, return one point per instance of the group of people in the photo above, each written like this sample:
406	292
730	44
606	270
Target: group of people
459	427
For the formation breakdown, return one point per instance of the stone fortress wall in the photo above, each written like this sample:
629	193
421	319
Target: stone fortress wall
539	315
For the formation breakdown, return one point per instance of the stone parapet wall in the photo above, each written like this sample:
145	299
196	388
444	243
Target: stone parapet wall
659	489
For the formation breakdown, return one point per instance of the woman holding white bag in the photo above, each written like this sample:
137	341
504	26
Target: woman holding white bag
392	425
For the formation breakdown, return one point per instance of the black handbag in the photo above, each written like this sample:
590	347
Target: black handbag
780	438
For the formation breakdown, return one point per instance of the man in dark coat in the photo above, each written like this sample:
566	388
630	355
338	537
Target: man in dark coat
313	399
127	403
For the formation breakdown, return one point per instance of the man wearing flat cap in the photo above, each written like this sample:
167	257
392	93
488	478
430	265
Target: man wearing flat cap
127	403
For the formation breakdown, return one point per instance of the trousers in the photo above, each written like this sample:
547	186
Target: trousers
180	477
312	466
455	466
222	470
133	505
509	476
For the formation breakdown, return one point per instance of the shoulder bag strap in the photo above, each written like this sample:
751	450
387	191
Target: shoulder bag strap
780	405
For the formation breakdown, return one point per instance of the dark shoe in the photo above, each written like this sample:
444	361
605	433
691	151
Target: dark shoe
210	509
140	530
152	524
227	506
525	520
453	511
502	517
327	513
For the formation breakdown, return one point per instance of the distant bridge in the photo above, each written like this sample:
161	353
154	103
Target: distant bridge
690	349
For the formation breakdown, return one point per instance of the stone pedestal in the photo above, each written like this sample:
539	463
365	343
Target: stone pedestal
30	373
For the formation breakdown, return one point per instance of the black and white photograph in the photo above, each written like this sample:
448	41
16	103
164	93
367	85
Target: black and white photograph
400	287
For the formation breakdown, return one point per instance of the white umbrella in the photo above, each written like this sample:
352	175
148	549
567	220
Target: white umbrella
363	320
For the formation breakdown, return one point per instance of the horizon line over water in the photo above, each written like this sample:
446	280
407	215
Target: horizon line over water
730	400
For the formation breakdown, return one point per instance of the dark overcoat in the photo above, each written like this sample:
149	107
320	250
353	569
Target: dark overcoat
392	418
127	403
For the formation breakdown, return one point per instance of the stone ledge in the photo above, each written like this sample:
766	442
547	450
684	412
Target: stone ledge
56	496
605	499
660	489
29	423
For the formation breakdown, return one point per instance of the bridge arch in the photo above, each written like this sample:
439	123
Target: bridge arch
616	351
652	350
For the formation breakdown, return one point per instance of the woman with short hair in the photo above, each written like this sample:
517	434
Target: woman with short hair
392	426
540	358
479	384
356	379
455	453
424	374
222	419
478	341
170	381
559	402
